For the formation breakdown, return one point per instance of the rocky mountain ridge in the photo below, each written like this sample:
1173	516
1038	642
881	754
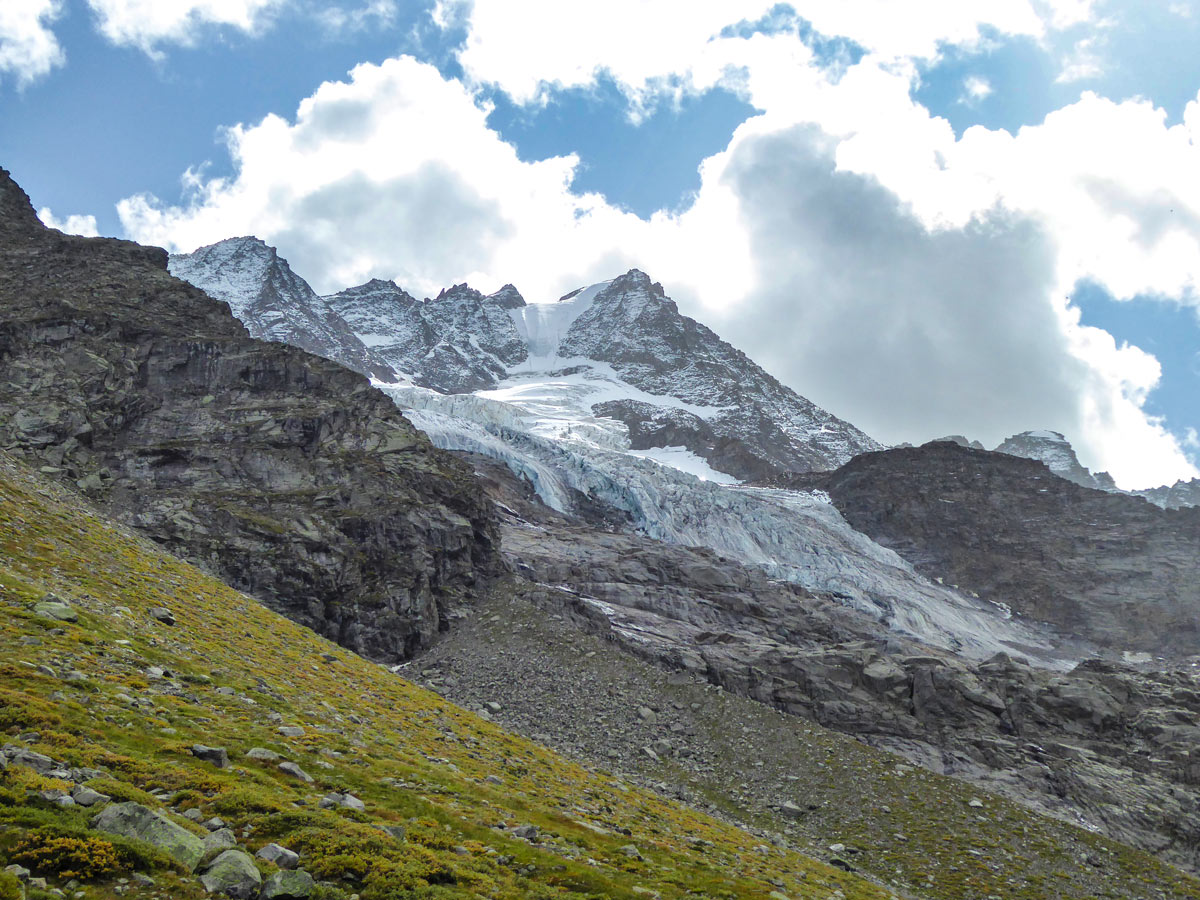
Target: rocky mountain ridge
631	355
286	474
274	303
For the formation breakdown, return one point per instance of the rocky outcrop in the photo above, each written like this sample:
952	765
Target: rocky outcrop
287	475
1105	567
275	303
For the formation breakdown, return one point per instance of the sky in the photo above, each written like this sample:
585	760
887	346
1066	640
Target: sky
939	217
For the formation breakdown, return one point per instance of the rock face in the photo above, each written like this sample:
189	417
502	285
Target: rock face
274	303
1106	567
1053	449
459	341
287	475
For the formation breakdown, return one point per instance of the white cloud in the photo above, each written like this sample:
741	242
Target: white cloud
950	281
648	46
74	224
147	24
28	48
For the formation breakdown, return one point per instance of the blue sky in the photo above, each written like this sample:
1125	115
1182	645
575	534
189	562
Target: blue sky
732	150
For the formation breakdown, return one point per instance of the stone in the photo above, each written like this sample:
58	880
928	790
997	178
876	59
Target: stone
341	801
631	851
134	820
232	874
19	872
492	706
215	755
55	609
32	760
56	798
291	768
162	614
216	823
526	832
975	803
262	754
291	731
85	796
280	856
221	839
286	885
646	714
791	810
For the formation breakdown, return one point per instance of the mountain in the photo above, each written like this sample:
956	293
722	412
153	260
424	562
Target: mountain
274	303
620	350
130	727
1053	449
286	474
654	615
139	688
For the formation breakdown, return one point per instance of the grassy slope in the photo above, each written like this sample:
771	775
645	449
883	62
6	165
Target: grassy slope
362	724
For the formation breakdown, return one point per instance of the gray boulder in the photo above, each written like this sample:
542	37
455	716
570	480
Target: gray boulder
290	768
36	761
262	754
85	796
215	755
280	856
55	609
287	886
232	874
141	823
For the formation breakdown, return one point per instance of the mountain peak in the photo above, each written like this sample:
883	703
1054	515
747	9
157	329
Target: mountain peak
1054	450
508	297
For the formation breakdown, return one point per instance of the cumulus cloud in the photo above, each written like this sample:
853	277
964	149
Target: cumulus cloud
148	24
73	224
28	47
911	280
914	333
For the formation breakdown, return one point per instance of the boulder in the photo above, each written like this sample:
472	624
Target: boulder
55	609
85	796
232	874
288	886
290	768
262	754
280	856
215	755
162	614
141	823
